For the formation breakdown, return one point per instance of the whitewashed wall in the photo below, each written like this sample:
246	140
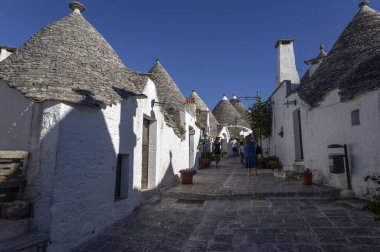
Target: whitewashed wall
330	123
15	119
76	171
283	147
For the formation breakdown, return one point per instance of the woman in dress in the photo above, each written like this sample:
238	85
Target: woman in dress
250	155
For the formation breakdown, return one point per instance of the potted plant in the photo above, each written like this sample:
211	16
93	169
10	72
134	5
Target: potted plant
187	175
262	163
272	162
307	177
205	160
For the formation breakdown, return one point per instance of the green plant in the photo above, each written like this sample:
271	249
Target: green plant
208	155
260	116
198	124
374	205
262	163
272	158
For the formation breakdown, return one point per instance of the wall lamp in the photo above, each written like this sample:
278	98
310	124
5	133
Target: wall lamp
161	104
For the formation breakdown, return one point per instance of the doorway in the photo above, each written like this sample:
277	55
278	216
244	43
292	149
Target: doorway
297	135
145	155
191	147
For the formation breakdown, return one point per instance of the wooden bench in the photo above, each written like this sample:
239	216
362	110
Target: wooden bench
12	173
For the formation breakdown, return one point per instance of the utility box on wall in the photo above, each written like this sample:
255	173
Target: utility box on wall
336	163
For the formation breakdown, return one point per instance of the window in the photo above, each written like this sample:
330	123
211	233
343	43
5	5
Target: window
355	118
122	177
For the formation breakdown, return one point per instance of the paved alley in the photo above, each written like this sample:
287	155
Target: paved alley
247	222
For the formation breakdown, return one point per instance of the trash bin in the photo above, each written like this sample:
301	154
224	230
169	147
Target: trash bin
336	163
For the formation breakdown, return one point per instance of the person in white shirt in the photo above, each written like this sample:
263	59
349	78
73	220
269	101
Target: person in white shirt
241	152
234	147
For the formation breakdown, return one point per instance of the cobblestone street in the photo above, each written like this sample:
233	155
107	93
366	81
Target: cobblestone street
173	223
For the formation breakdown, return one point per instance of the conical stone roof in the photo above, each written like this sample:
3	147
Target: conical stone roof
351	63
169	94
202	105
239	106
226	114
70	61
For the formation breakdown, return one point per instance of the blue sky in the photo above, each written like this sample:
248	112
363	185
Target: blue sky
213	46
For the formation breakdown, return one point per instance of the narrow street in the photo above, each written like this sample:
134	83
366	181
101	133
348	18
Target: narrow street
225	210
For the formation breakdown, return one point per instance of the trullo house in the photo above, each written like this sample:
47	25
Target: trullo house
99	135
336	102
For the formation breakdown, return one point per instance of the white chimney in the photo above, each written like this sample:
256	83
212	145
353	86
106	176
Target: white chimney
286	63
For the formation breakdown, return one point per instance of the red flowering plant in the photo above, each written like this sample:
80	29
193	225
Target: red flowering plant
307	173
188	171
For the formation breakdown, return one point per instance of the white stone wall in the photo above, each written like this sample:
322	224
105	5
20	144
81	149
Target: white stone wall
16	114
77	159
283	147
71	176
330	123
286	64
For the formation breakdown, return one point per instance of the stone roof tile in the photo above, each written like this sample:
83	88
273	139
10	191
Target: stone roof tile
202	105
226	114
72	58
350	65
169	94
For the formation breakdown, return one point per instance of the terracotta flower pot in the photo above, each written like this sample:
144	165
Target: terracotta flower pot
307	180
187	179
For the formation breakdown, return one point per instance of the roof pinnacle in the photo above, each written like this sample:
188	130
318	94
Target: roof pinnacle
322	53
364	3
77	7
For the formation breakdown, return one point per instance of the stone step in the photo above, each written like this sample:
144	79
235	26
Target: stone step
326	195
26	242
13	228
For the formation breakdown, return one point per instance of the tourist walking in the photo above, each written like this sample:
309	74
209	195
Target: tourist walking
250	155
241	152
234	146
217	150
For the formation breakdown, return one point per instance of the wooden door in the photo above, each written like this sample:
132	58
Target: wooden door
145	154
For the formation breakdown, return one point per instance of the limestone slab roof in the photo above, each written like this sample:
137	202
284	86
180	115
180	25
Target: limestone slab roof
202	105
169	94
351	65
226	114
70	61
239	106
